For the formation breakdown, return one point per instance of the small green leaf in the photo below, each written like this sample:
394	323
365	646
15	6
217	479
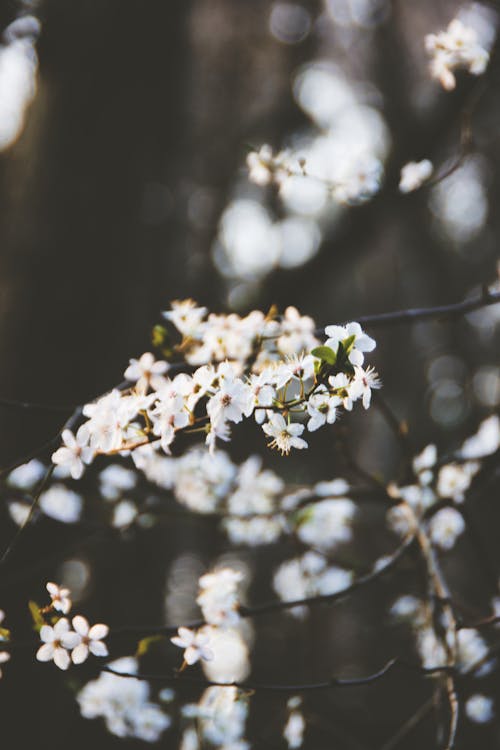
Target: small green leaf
146	643
36	615
348	342
4	634
325	354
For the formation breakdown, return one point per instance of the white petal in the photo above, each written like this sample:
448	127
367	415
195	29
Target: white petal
61	627
80	653
47	633
61	658
98	632
191	655
81	625
70	640
98	648
45	652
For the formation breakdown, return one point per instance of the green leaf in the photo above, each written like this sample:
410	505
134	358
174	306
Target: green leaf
348	342
145	644
325	354
36	615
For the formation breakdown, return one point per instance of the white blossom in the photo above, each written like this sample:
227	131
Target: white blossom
454	479
61	597
293	731
75	452
414	174
195	644
363	383
62	504
123	703
445	527
27	475
218	597
362	342
146	372
186	316
285	436
322	409
480	708
57	642
486	440
90	639
456	47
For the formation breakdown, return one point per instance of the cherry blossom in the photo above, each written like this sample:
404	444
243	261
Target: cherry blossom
90	639
195	644
146	373
285	436
75	453
60	596
57	641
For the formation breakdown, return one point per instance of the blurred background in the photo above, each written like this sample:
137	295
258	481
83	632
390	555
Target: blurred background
124	129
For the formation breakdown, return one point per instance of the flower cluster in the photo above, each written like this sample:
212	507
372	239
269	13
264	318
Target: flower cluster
248	366
221	715
64	645
456	47
264	167
219	601
354	180
123	703
444	482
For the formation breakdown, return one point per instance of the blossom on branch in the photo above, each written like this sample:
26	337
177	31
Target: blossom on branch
195	644
57	642
456	47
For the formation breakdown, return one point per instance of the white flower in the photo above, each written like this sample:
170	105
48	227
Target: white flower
298	368
414	174
75	452
445	527
285	436
57	641
322	408
194	643
218	597
146	372
409	608
457	47
342	386
114	480
293	731
479	708
61	600
27	475
265	167
327	523
233	400
362	342
186	316
91	639
431	649
486	440
472	649
61	503
454	480
124	513
123	703
362	384
425	460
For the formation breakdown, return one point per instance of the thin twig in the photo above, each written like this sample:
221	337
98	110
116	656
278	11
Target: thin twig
414	315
